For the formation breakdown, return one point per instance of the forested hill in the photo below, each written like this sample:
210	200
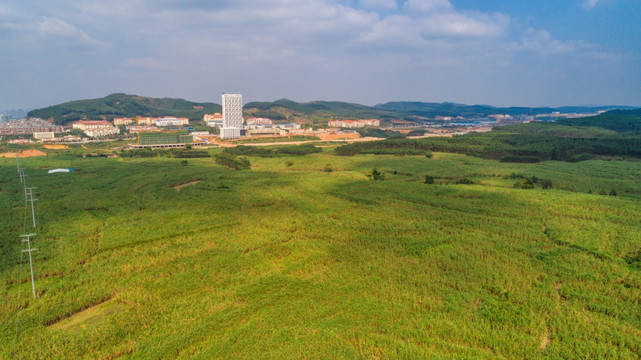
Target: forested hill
292	110
430	110
617	120
123	105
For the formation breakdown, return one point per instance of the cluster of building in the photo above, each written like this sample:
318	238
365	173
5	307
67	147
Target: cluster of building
350	124
28	127
96	128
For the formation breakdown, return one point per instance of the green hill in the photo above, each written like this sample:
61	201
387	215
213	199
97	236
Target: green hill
320	110
617	120
123	105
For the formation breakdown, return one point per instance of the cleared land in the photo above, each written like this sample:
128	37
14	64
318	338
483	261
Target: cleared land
288	260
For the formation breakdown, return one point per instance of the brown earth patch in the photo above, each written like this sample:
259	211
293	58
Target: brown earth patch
55	147
23	154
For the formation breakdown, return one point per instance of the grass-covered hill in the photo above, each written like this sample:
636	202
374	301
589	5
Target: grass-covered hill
430	110
123	105
306	257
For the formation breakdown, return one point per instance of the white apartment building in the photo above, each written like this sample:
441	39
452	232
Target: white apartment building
232	116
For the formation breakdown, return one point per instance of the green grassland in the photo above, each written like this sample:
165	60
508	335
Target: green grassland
287	260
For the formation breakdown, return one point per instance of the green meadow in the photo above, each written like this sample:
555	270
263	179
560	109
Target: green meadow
288	259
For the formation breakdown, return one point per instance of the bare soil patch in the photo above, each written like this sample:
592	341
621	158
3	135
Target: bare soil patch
55	147
23	154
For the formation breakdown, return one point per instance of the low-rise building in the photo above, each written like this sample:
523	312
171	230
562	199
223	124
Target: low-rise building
171	121
44	135
96	128
123	121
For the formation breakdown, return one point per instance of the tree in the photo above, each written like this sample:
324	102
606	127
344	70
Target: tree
376	175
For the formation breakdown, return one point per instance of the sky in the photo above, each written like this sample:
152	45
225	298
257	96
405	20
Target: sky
499	52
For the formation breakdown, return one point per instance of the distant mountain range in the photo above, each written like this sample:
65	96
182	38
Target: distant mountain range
15	114
123	105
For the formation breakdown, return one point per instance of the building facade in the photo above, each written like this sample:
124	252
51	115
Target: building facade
232	116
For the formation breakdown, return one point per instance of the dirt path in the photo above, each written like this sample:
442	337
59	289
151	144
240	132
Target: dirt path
178	187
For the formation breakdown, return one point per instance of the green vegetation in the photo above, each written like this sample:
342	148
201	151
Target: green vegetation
617	120
288	260
232	161
263	151
385	147
523	143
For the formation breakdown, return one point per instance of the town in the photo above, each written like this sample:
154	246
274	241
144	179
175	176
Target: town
221	129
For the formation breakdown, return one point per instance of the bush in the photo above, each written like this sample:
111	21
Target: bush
429	179
524	184
464	181
232	161
376	175
328	168
184	162
613	193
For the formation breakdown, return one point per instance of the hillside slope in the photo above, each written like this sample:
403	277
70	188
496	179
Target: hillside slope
124	105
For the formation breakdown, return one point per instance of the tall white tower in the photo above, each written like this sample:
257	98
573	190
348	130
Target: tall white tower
232	116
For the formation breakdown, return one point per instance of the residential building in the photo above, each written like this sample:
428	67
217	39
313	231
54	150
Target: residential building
123	121
213	120
44	135
28	127
171	121
232	116
96	128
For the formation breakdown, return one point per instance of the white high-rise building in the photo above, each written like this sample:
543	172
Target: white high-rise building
232	116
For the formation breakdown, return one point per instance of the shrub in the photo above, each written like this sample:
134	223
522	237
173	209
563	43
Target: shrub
524	184
376	175
232	161
429	179
613	193
184	162
464	181
328	168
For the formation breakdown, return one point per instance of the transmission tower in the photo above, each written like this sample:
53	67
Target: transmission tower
27	239
31	199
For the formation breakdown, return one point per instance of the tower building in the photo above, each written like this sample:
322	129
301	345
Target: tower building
232	116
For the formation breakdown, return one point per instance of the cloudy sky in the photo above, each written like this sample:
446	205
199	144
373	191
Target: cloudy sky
497	52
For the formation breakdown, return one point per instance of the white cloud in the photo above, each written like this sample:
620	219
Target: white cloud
541	42
427	6
378	5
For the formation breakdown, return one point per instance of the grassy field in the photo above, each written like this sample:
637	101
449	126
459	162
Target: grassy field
286	260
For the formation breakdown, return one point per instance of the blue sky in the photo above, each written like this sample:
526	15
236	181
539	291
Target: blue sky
502	52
